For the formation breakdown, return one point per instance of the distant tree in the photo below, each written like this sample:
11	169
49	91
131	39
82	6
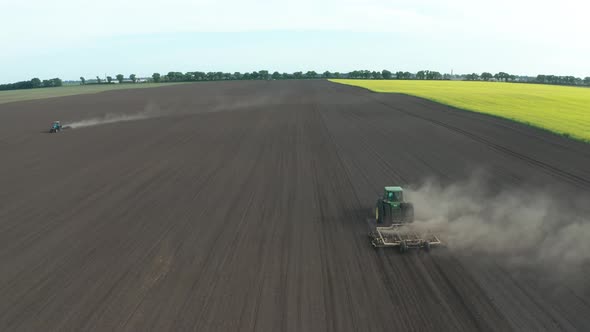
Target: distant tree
201	76
502	76
276	75
31	84
156	77
327	74
133	78
120	78
421	75
83	80
486	76
376	75
35	83
336	75
570	80
175	76
298	75
433	75
98	80
386	74
447	77
550	79
109	79
263	74
472	77
286	76
436	75
587	80
403	75
16	85
311	74
238	75
54	82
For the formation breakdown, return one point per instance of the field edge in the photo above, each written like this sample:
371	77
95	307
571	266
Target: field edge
434	99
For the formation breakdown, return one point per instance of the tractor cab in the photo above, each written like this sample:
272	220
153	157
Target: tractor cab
392	208
55	127
393	194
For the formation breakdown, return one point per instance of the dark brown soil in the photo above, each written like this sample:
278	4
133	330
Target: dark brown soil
242	206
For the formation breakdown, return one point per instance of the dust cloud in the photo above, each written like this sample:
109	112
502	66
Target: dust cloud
151	111
533	228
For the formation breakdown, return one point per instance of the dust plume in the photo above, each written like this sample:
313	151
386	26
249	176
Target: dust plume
525	226
214	104
150	111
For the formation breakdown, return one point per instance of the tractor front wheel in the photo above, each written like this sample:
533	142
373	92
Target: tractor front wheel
378	213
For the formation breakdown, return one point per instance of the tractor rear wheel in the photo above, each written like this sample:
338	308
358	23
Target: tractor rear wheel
407	211
379	212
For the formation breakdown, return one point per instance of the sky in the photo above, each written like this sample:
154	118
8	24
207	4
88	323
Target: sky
73	38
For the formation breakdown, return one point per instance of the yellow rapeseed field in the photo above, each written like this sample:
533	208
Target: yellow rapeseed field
564	110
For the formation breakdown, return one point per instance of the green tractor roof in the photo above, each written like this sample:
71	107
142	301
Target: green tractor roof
393	189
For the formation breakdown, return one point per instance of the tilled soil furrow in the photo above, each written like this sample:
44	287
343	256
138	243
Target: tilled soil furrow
243	206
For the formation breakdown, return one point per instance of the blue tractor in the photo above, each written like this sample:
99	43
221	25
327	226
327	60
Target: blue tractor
55	127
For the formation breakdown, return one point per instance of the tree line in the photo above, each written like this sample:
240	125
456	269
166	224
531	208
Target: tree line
367	74
32	84
562	80
540	79
485	76
109	79
219	76
266	75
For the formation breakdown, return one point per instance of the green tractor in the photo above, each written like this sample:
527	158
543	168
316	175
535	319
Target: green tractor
392	208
